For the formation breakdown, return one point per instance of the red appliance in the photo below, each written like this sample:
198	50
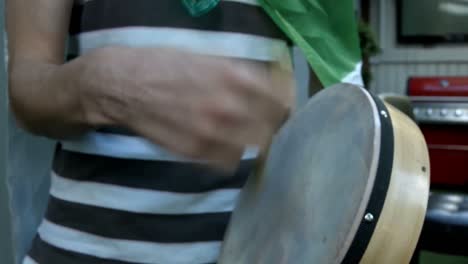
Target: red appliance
441	109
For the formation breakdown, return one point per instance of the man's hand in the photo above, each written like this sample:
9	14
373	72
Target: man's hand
201	107
197	106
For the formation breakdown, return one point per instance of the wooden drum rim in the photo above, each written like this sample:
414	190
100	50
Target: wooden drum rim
380	187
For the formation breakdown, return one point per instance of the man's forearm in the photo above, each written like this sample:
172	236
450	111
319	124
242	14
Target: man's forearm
47	98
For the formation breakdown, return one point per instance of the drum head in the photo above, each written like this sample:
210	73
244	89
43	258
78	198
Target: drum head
309	201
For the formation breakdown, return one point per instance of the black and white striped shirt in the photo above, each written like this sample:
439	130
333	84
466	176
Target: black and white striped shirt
117	198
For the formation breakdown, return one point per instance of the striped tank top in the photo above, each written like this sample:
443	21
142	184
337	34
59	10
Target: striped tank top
117	198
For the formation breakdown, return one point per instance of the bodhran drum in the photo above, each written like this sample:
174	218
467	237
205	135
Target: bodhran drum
346	180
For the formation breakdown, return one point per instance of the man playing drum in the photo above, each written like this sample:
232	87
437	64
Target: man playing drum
155	108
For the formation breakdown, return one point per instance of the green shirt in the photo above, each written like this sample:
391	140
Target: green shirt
325	30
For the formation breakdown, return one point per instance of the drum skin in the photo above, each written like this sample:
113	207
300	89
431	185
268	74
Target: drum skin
310	200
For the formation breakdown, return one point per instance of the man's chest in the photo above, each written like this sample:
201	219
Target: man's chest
235	28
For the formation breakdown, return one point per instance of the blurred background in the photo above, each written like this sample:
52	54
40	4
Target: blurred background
415	55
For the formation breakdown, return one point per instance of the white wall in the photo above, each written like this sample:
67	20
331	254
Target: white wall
29	161
6	245
392	68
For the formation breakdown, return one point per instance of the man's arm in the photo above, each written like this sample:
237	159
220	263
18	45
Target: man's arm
46	94
197	106
42	95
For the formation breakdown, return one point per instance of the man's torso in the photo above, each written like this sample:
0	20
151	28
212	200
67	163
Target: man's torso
117	198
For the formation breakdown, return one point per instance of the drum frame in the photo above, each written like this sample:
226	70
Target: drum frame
389	219
399	225
380	188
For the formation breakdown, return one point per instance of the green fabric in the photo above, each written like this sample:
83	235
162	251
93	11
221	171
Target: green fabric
325	30
200	7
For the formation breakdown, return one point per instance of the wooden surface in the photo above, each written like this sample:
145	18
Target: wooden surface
400	224
306	205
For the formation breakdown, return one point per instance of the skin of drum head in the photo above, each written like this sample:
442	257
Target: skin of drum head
306	204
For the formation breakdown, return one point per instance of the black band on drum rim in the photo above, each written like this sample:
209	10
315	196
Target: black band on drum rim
379	191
